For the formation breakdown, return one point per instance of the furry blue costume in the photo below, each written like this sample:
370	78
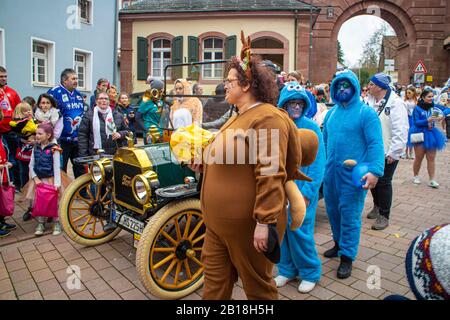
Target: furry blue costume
349	132
298	251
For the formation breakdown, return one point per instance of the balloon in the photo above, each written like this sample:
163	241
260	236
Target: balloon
359	171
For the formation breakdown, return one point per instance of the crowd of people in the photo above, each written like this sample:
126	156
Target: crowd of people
383	122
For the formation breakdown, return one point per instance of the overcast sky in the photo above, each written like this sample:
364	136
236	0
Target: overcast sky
354	34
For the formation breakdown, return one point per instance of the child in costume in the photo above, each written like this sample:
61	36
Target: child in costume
23	122
351	131
5	228
44	168
298	252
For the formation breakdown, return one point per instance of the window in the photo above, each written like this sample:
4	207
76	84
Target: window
80	68
40	63
82	64
212	50
85	11
161	56
2	48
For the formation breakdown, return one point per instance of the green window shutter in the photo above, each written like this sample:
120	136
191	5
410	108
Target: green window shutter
230	47
193	48
177	57
142	58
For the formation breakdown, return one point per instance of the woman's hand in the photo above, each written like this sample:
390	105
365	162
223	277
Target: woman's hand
196	167
261	237
9	165
116	136
37	180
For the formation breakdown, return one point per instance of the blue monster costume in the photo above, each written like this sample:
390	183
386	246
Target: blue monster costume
298	251
350	131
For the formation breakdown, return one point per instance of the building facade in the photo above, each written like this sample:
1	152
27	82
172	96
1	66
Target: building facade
156	33
39	39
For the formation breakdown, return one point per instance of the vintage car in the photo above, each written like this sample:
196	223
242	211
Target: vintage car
147	192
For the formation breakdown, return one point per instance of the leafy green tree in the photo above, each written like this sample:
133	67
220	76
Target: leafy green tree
340	53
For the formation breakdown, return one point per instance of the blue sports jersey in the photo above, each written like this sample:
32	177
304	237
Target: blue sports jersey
71	106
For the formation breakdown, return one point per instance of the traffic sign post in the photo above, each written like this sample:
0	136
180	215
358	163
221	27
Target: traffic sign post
420	67
419	78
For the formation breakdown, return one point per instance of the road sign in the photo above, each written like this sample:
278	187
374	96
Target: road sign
420	67
429	78
419	78
389	65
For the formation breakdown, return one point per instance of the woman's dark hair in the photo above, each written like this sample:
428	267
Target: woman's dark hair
30	101
424	93
263	84
49	97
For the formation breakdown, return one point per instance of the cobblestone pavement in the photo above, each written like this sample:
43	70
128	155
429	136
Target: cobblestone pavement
35	268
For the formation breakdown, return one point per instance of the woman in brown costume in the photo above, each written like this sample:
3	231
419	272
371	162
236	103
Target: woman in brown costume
241	199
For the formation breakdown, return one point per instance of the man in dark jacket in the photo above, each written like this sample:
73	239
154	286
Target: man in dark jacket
101	128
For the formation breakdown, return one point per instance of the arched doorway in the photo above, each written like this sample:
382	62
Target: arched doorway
271	46
324	65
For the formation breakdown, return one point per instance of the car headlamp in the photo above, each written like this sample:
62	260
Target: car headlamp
143	185
100	171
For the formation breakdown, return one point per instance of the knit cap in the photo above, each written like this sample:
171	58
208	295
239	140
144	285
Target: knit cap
428	264
382	80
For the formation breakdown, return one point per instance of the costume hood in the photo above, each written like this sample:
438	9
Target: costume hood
353	79
294	91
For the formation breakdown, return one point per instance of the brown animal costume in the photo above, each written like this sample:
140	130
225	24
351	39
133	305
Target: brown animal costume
193	105
235	197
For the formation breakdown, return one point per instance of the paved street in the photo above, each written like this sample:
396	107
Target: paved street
35	268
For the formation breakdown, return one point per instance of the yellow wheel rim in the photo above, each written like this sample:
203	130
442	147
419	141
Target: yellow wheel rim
175	255
81	208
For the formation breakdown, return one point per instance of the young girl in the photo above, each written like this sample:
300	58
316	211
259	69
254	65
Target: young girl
5	228
23	122
124	107
411	103
47	111
45	168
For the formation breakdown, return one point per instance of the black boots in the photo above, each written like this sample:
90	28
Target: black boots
345	268
333	252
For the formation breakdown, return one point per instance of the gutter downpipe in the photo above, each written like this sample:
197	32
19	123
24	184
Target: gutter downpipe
295	39
116	22
310	40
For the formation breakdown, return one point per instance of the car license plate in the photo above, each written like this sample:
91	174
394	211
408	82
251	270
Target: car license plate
129	223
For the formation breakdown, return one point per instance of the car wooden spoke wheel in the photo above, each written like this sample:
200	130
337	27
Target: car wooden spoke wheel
84	210
168	254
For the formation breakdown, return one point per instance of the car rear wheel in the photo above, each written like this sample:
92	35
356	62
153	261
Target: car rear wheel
84	210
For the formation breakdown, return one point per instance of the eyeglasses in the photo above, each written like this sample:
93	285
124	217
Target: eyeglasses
293	104
344	85
227	82
364	89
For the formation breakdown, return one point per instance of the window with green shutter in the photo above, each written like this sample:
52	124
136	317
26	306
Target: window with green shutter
142	58
230	47
193	48
177	56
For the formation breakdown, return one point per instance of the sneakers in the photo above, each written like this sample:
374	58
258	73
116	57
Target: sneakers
40	229
373	214
416	180
345	268
56	229
27	215
333	252
8	226
381	223
306	286
281	281
4	233
433	184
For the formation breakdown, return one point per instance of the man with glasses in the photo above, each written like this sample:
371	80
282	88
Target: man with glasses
71	106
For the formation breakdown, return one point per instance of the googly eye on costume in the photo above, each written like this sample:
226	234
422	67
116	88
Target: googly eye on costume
298	88
291	87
